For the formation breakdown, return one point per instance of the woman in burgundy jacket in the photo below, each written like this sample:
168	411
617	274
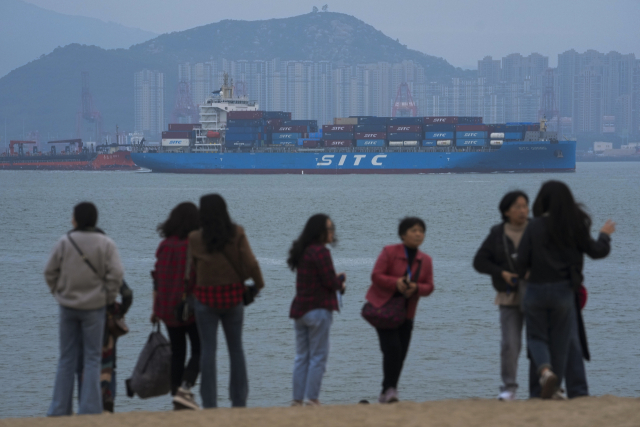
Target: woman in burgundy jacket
395	275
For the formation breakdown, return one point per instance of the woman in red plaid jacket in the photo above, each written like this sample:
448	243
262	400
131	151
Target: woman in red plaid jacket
312	307
168	281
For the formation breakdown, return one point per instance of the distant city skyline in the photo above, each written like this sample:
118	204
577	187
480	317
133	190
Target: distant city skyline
459	31
588	93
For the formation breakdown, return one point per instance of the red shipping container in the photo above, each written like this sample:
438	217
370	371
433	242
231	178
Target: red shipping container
371	135
309	143
405	128
339	143
294	129
441	120
337	128
184	126
244	115
485	128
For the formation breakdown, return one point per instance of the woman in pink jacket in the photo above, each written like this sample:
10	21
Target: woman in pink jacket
401	270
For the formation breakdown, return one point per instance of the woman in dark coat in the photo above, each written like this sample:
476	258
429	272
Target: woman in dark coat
552	249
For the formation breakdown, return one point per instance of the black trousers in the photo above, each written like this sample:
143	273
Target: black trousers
178	337
394	344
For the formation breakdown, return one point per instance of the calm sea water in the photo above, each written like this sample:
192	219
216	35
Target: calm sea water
455	348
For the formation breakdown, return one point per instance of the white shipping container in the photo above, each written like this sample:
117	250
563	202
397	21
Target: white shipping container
176	142
410	143
498	135
443	142
496	142
601	146
395	144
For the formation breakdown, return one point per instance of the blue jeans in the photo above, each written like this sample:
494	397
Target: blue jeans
79	328
312	352
207	319
551	325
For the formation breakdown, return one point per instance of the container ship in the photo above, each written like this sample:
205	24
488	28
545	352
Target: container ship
72	156
235	137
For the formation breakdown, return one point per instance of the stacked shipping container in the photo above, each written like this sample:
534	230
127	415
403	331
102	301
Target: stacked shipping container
275	128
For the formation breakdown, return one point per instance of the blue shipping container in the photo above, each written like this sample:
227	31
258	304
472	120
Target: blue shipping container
370	128
245	129
372	120
438	135
285	142
239	122
370	143
337	135
471	142
429	143
471	134
243	137
281	135
513	135
439	127
399	121
404	136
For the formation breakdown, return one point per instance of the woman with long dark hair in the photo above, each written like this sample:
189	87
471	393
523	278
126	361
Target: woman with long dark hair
313	306
552	249
496	257
223	260
401	272
168	288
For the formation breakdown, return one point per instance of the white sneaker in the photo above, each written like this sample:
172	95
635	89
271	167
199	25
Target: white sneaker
185	398
507	396
559	395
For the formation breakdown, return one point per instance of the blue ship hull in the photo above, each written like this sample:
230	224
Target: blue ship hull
513	157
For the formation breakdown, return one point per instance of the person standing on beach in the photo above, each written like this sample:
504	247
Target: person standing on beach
84	274
396	275
168	289
223	260
312	307
552	249
497	257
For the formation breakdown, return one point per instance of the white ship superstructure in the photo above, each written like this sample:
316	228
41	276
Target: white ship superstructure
213	116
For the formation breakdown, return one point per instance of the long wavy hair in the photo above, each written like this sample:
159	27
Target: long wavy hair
182	220
216	224
315	231
567	221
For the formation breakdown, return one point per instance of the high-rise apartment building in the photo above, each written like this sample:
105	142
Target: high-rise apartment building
490	70
587	101
149	102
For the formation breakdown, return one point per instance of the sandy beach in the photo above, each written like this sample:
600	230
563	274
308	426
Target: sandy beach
591	411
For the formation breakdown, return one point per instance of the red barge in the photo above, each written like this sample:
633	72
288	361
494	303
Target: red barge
73	157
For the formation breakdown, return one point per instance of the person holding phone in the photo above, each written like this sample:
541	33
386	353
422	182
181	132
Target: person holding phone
400	271
497	257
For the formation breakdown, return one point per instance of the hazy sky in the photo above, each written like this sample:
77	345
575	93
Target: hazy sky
461	31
